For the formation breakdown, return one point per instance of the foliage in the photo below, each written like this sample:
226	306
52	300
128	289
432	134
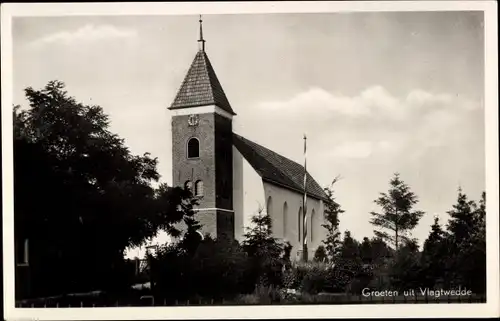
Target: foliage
286	258
75	182
434	269
332	241
397	215
320	254
264	251
404	270
467	243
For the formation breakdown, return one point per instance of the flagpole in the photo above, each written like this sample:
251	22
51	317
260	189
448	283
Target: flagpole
304	208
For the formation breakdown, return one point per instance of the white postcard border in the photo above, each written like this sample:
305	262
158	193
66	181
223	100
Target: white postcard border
491	308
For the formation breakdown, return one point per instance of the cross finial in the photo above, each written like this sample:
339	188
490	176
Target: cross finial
201	40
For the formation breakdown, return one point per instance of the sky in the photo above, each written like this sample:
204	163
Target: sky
376	93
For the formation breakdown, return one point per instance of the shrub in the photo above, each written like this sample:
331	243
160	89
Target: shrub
320	254
216	269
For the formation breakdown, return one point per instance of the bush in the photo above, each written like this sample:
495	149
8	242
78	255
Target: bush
265	295
310	277
320	254
216	269
316	277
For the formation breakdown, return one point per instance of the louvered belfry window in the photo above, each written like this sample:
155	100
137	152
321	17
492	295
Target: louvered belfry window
199	188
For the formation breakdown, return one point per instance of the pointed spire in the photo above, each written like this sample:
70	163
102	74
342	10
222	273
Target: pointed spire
201	41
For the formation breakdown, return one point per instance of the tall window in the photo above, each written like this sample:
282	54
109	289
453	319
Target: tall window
285	218
299	223
198	187
193	148
188	185
269	205
23	253
312	224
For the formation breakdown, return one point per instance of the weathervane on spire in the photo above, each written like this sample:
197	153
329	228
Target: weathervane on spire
201	40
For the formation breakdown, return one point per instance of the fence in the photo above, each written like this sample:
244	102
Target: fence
332	299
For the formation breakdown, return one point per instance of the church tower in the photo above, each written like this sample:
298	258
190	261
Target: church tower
202	144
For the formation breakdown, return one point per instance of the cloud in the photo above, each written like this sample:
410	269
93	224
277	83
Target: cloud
375	101
372	123
353	150
87	33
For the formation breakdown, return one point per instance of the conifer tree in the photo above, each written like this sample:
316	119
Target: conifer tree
467	243
333	209
263	250
462	219
434	254
366	251
397	218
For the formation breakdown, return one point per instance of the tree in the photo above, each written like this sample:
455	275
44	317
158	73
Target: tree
405	269
397	216
434	254
380	251
366	251
467	243
320	254
263	250
81	197
462	219
332	241
286	257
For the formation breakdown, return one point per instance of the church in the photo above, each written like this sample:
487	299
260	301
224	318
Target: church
232	176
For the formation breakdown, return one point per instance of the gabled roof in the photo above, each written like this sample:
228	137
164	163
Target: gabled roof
201	87
277	169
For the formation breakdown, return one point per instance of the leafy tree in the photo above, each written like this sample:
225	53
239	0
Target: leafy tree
380	251
397	216
81	197
333	209
263	250
405	268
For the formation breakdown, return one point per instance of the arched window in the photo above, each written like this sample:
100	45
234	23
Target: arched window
198	188
299	223
269	205
285	218
188	185
312	224
193	148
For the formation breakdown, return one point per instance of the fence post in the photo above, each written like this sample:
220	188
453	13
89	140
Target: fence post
164	301
57	304
187	303
81	304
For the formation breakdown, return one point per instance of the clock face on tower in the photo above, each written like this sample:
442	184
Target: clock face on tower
193	120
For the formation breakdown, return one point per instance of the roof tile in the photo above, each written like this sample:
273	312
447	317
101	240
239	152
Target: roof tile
201	87
277	169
